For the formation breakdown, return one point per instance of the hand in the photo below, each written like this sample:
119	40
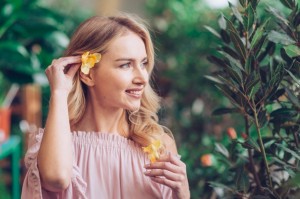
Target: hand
61	72
169	170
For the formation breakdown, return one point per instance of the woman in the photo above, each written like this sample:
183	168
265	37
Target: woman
100	92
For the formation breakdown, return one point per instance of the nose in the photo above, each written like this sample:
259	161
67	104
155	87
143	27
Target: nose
141	76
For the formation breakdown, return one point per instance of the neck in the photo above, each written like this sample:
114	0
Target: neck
99	118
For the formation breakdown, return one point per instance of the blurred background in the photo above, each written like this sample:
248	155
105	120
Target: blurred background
33	32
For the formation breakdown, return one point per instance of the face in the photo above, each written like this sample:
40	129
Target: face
121	75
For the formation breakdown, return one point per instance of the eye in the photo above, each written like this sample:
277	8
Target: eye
127	65
144	64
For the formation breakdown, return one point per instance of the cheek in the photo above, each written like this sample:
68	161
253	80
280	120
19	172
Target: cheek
147	77
114	83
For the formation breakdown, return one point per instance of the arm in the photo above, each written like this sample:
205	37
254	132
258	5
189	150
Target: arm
169	170
55	154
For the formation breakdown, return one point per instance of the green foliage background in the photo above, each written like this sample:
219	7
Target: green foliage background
32	34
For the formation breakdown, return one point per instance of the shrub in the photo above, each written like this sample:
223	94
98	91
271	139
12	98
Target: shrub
259	68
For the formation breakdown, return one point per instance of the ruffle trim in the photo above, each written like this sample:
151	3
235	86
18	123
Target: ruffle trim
33	176
104	139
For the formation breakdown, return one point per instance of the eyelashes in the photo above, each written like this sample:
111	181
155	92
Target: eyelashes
128	65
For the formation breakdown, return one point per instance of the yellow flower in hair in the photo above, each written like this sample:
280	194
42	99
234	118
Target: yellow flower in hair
153	150
88	61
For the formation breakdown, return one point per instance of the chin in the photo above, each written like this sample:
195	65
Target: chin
133	107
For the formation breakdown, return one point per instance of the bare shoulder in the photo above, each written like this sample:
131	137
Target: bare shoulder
170	143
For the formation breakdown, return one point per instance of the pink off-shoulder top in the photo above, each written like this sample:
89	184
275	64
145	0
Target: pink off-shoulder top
106	166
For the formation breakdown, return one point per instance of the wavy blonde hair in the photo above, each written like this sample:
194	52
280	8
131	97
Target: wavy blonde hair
94	35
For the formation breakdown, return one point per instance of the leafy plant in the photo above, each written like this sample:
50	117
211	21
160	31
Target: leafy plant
30	36
258	72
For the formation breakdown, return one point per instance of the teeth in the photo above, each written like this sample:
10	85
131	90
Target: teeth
135	92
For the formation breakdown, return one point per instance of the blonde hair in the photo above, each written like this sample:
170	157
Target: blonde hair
94	35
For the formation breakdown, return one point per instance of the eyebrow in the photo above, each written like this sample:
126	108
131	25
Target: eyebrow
130	59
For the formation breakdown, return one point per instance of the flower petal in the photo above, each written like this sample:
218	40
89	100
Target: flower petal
153	150
89	60
85	69
97	57
85	56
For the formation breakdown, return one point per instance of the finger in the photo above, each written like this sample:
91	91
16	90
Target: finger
62	62
72	70
172	184
164	173
169	157
65	61
164	165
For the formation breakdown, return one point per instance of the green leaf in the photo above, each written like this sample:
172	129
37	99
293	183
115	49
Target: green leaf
251	81
222	111
254	90
251	144
254	3
284	112
278	15
216	60
225	36
293	98
241	179
213	31
235	12
230	52
216	80
297	81
222	149
257	50
222	22
234	73
8	23
243	2
278	93
281	162
280	38
269	50
292	50
262	118
249	64
293	153
239	45
228	93
288	3
249	18
258	34
234	63
269	143
230	26
294	181
14	47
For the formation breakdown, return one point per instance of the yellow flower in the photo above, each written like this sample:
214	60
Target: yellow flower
88	61
153	150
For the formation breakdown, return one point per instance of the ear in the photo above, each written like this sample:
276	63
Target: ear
87	79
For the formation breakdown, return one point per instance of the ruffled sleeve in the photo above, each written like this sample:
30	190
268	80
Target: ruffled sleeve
32	188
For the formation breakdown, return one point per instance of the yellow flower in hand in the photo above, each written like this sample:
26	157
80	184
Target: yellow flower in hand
88	61
153	150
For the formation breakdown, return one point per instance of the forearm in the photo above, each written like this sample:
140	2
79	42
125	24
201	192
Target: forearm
55	154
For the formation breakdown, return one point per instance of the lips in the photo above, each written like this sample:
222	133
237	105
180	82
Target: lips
136	93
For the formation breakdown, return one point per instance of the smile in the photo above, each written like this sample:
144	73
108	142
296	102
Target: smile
134	93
